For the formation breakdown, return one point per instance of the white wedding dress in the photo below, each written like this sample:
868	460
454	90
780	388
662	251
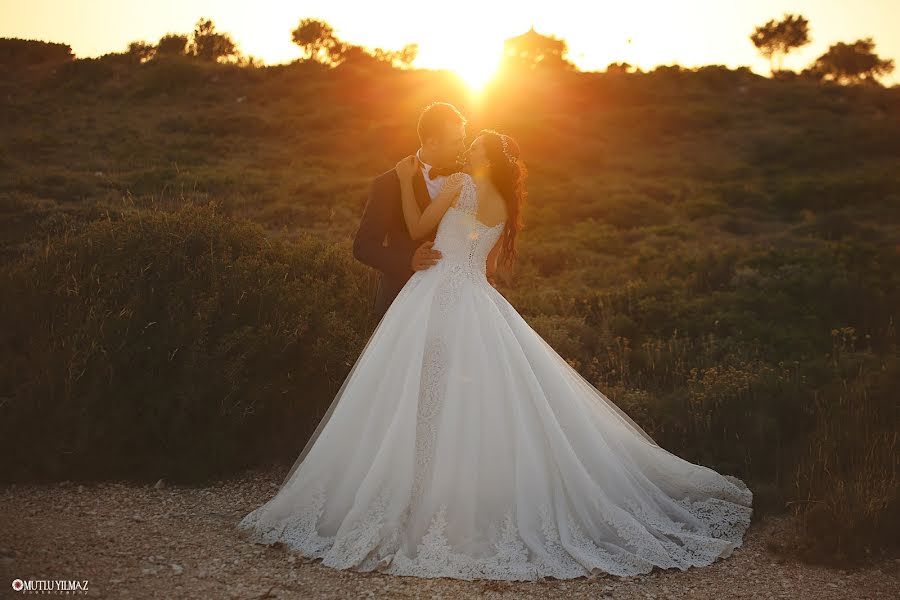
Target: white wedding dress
462	445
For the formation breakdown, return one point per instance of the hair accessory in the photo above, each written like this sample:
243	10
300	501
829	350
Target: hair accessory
503	140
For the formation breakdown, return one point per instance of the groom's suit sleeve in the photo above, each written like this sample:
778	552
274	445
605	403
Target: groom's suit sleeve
368	246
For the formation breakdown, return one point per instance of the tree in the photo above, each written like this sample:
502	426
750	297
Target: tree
318	41
851	63
776	39
320	44
172	44
531	50
358	55
208	45
140	51
402	58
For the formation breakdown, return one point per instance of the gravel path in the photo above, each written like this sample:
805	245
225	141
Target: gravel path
134	541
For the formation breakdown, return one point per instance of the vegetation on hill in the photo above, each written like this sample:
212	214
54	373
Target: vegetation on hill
718	252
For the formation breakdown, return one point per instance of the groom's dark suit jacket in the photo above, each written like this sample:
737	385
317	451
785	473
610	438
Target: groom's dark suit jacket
382	240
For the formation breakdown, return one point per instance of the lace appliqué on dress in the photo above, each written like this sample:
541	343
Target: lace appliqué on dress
430	397
467	266
725	524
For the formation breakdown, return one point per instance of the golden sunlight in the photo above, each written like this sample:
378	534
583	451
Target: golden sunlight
476	68
477	73
474	55
475	63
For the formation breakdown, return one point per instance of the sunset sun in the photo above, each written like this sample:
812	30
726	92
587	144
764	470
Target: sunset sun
476	69
475	63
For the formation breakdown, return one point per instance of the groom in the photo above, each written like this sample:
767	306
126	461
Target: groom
382	240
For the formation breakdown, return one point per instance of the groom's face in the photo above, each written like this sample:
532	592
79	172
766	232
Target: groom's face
447	147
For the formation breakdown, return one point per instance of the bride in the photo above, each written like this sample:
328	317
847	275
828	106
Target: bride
462	445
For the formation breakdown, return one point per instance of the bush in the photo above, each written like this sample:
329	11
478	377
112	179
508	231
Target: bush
181	344
171	75
847	483
18	53
84	75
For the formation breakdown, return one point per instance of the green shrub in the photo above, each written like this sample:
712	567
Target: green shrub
180	344
847	501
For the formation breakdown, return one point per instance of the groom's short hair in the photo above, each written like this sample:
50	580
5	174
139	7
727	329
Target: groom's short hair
436	117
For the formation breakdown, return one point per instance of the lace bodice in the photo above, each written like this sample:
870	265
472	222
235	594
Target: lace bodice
463	240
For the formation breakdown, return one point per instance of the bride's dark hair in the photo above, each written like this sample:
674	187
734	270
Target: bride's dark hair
508	174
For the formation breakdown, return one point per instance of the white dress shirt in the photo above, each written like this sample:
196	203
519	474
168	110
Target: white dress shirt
433	185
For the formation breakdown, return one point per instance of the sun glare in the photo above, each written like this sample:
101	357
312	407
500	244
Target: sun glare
476	70
475	62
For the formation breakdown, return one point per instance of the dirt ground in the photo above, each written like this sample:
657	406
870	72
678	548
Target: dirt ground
140	541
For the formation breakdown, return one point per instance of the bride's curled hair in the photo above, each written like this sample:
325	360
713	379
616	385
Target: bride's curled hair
508	174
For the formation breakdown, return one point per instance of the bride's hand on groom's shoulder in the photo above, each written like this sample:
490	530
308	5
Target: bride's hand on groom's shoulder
406	167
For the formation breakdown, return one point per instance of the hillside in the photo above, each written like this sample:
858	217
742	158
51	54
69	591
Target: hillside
717	251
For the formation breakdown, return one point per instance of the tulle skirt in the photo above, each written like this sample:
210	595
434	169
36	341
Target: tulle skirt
462	445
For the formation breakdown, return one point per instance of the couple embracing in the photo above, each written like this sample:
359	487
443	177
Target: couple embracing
461	444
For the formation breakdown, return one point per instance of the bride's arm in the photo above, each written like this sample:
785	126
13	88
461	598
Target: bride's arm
421	223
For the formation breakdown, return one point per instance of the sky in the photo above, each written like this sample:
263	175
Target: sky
467	36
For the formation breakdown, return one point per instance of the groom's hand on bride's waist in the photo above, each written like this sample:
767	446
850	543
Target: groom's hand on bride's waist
424	256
